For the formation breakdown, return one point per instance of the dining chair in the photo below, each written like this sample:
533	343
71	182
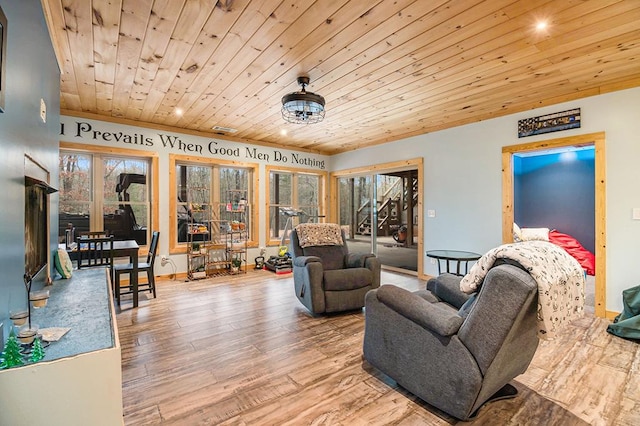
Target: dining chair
94	251
147	266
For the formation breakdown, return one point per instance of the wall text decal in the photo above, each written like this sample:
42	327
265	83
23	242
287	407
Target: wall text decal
112	134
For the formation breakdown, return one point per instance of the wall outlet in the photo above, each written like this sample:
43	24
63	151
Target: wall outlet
164	259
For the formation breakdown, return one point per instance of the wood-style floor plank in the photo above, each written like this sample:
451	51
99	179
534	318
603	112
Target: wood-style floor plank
242	350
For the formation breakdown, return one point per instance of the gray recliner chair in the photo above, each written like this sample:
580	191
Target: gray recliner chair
452	351
327	278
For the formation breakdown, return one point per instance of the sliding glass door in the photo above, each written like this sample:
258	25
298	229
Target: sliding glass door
357	212
378	213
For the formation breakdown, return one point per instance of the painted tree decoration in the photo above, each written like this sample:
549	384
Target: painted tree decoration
37	351
11	356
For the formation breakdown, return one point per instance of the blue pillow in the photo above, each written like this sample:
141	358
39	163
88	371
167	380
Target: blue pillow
466	306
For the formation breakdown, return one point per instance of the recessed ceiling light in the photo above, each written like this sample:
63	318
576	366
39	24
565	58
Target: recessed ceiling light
283	132
179	112
541	25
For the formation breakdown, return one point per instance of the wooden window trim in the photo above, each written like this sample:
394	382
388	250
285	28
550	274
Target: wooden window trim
152	156
175	159
322	197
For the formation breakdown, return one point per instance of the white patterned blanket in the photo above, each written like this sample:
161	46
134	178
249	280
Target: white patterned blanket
319	234
559	277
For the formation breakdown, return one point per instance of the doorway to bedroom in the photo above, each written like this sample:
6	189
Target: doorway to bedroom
556	188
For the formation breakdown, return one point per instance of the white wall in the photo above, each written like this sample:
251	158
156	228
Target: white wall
84	389
463	180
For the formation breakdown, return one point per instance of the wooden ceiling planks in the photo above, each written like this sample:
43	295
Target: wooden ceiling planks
358	100
241	31
464	88
202	58
277	67
69	96
332	57
78	20
268	34
400	85
388	68
306	51
193	17
133	24
160	27
106	21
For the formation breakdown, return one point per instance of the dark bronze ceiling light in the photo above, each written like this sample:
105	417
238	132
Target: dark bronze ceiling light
303	107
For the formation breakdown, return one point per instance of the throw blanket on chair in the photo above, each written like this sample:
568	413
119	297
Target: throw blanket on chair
559	277
319	234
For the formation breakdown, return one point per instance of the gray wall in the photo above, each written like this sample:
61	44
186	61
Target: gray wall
556	192
31	74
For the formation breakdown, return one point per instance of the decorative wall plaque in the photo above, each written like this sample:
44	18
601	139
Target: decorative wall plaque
549	123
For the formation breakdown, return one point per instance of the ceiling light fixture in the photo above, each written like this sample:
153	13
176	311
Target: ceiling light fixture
303	107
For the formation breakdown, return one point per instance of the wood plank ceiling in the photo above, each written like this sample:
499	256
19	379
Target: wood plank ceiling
388	69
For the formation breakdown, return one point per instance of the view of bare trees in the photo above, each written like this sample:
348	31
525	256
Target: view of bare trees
113	188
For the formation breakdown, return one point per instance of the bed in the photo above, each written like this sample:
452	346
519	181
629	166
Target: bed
586	259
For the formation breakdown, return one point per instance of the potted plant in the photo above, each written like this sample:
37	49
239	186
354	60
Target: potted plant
195	248
199	272
236	263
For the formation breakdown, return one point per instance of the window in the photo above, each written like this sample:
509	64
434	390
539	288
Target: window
217	189
296	190
101	191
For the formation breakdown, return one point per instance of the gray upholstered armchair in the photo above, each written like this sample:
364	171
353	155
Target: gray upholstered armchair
455	355
327	278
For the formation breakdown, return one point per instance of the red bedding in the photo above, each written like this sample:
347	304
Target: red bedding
586	259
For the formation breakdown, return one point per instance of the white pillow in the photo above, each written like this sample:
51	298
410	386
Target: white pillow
535	234
517	233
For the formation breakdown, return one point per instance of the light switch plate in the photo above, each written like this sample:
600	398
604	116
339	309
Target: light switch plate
431	213
635	215
43	110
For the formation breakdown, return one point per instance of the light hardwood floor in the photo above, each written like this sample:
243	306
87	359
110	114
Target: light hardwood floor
242	350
